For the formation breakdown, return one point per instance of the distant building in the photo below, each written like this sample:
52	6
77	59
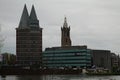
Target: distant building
8	59
28	39
67	57
114	60
101	58
65	34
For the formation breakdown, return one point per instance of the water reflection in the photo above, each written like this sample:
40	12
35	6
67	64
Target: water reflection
32	77
80	77
45	77
3	79
66	77
59	77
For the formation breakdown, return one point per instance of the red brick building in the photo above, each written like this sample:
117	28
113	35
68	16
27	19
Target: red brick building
28	39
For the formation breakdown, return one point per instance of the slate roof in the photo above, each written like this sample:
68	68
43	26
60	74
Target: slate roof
24	18
33	14
29	22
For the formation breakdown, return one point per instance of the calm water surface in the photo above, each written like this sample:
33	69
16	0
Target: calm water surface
60	77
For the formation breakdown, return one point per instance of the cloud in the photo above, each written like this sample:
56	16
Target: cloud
93	22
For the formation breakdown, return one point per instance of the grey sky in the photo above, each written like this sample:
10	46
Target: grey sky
95	23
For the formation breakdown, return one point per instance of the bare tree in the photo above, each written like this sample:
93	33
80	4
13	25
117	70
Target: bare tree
1	40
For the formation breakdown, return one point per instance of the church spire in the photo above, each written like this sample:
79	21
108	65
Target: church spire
33	14
33	21
65	22
24	18
65	34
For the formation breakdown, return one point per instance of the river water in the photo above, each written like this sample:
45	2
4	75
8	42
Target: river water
60	77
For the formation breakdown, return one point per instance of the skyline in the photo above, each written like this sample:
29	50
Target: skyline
93	23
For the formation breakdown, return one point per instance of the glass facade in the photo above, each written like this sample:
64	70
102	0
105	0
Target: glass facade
66	58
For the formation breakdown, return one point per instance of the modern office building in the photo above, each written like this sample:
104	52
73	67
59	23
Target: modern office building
67	57
28	39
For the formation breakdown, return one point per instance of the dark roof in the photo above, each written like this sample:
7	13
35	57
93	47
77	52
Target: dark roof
100	51
66	48
29	22
33	14
24	18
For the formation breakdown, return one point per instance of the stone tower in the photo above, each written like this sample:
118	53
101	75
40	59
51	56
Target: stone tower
65	34
28	39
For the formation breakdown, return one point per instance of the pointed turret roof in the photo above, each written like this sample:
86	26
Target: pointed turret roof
33	14
24	18
65	22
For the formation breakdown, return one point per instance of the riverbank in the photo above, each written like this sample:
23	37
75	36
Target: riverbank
58	77
38	71
50	72
102	74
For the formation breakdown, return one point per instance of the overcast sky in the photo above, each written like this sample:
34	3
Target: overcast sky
95	23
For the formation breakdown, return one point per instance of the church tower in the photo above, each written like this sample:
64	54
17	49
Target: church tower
29	39
65	34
